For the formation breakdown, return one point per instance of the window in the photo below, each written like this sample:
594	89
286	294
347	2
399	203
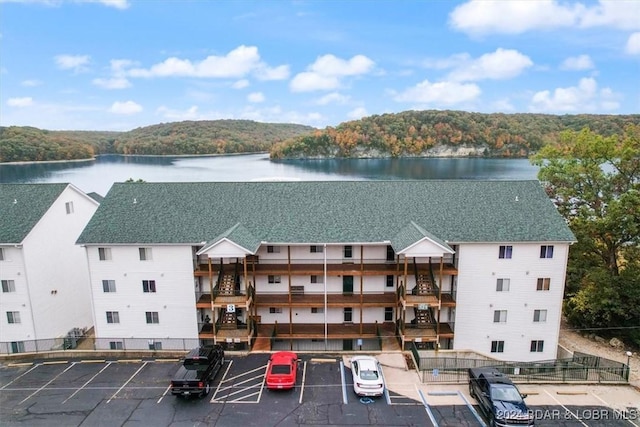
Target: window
274	279
316	249
273	249
502	285
540	315
537	346
500	316
104	254
497	346
155	345
388	314
391	255
13	316
113	317
69	207
8	286
145	254
317	310
108	285
1	254
152	317
116	345
505	252
348	314
546	251
348	251
275	310
148	286
390	281
543	284
17	347
317	279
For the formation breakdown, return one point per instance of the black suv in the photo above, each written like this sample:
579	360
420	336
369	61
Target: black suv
499	399
198	368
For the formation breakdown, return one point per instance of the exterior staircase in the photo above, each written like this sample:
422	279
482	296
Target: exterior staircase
424	285
424	318
228	321
227	285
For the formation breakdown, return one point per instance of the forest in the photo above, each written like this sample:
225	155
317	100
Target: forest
426	133
19	144
445	133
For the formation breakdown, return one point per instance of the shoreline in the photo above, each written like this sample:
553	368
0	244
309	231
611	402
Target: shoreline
38	162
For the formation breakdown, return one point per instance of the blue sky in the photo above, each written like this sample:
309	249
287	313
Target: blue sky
122	64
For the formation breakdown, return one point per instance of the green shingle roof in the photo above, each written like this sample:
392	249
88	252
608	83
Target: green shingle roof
332	211
411	234
239	235
22	206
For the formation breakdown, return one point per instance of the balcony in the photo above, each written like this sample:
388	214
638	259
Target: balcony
316	299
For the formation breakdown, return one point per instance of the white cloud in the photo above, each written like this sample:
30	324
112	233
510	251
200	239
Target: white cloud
31	83
118	4
77	63
333	97
577	63
127	107
255	97
308	82
583	97
503	105
357	113
112	83
633	44
176	115
499	65
240	84
446	93
20	102
277	73
519	16
326	71
236	64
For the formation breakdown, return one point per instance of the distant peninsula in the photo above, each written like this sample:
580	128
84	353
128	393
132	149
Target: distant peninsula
429	133
444	134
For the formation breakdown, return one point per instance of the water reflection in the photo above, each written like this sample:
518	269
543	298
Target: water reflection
100	174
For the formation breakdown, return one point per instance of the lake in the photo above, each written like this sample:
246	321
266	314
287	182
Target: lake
98	175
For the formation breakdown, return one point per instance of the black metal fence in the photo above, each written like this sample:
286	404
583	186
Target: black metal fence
583	368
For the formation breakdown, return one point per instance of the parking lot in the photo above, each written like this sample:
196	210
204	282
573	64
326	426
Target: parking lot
128	392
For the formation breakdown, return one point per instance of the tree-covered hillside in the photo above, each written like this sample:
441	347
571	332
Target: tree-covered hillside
445	133
191	137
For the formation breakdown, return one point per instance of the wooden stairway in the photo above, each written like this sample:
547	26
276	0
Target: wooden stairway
424	285
424	318
228	321
227	285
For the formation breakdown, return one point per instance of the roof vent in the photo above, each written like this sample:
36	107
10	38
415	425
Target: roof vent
517	198
135	200
15	201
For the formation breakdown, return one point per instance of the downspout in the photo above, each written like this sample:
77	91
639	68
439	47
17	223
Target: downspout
326	331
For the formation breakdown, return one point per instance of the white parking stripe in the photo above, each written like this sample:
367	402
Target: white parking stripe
427	408
215	393
164	394
610	407
566	409
18	377
304	375
245	373
344	383
264	379
386	390
83	385
50	381
125	384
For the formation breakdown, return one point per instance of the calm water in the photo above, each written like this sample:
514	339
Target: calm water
98	175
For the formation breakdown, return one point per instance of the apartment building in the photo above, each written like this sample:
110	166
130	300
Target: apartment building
43	273
476	265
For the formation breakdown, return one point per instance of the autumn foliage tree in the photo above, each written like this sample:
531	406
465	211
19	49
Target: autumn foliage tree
595	183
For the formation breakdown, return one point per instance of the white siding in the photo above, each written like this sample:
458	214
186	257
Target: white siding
174	299
52	282
477	298
12	268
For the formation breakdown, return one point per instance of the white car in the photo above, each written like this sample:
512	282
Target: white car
367	376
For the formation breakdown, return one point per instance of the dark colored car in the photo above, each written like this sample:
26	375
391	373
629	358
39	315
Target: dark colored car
282	370
198	368
499	399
